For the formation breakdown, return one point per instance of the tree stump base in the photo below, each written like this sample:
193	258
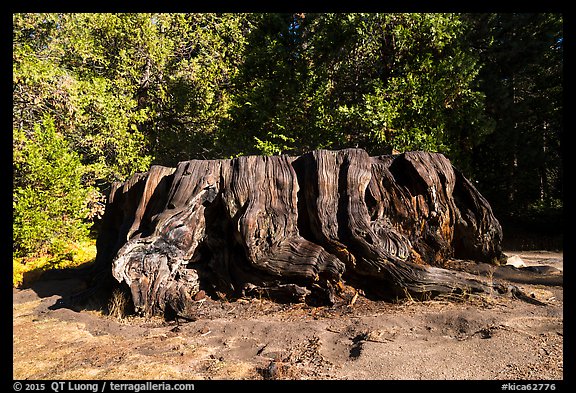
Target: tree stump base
295	229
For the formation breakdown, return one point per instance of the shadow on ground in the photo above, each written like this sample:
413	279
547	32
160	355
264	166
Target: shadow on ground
72	288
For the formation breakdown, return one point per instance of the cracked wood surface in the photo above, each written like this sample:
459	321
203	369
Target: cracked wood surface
296	228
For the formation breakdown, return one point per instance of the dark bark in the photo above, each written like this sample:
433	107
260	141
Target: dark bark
296	228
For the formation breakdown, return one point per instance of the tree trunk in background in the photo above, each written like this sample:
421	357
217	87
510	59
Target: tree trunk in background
295	228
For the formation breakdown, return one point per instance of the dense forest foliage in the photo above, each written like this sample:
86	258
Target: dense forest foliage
98	97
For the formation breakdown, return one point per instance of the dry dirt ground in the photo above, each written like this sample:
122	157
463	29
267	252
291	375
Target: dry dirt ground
493	337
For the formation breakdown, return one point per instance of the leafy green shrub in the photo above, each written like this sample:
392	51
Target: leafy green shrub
49	200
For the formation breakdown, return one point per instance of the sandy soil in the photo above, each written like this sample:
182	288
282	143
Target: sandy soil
492	337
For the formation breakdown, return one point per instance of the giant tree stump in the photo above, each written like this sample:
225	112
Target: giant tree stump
295	228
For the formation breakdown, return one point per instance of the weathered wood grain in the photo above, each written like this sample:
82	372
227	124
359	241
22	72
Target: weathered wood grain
295	228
